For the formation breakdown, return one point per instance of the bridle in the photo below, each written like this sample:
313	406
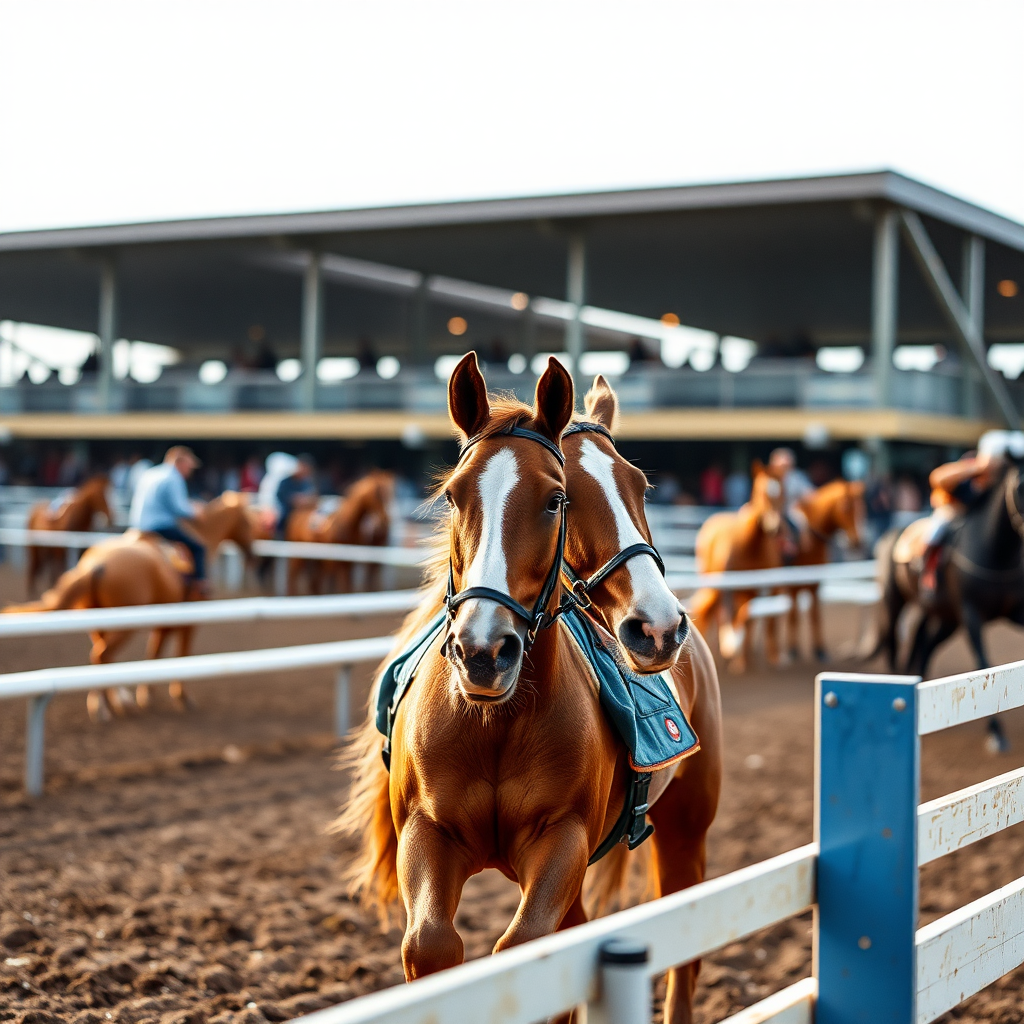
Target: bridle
538	617
580	588
1010	489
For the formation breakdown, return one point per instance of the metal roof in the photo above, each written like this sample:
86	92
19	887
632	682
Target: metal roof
882	185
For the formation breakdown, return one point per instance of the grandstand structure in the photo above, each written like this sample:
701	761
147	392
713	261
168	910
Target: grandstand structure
761	310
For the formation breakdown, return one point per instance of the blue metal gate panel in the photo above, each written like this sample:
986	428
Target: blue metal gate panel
866	807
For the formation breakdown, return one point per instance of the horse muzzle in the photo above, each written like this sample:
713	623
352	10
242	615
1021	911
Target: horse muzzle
652	646
486	668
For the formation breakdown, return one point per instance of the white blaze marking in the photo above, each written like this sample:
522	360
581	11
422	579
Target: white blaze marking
651	597
489	567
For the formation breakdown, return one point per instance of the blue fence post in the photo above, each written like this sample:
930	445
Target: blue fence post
866	797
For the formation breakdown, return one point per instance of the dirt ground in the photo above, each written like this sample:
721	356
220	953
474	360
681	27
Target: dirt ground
178	868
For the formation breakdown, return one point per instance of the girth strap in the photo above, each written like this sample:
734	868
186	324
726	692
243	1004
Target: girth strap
631	826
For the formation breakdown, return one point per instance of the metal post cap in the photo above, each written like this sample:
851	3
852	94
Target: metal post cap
624	951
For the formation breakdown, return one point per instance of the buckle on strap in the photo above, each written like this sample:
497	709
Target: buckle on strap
638	828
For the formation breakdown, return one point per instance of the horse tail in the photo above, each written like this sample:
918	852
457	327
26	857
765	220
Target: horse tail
75	588
620	879
892	599
373	875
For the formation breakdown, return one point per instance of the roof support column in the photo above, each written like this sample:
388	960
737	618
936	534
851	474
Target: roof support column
955	311
107	333
972	288
576	292
312	330
884	302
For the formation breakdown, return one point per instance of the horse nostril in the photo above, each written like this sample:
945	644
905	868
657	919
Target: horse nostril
508	653
634	635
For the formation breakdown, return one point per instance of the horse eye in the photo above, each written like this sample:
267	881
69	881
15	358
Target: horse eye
448	498
555	503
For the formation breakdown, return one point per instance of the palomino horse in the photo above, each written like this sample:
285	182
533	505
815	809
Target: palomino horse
982	580
489	743
838	507
362	517
76	512
136	569
749	538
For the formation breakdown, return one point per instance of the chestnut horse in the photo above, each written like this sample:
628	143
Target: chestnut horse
749	538
363	517
136	569
838	507
504	760
75	512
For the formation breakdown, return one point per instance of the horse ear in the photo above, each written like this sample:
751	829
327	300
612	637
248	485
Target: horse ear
554	401
602	404
756	467
467	397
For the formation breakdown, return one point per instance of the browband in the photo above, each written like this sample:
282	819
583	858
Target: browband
516	431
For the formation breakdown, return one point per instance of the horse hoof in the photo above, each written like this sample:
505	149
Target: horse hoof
97	708
995	740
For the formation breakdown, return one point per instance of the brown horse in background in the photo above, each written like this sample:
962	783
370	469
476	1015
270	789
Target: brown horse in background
750	538
76	512
837	507
363	517
139	569
487	743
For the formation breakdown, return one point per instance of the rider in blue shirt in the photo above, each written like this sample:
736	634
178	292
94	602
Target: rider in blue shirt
296	491
161	502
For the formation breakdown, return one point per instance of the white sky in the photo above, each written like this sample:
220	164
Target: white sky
143	111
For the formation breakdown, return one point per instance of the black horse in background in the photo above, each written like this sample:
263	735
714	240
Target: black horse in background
981	579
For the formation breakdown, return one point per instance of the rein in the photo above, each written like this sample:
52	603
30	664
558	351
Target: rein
537	617
580	588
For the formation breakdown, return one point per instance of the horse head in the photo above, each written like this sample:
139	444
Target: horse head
767	498
850	512
227	517
94	491
607	519
506	499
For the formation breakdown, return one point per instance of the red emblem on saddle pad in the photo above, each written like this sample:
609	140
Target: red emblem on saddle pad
673	729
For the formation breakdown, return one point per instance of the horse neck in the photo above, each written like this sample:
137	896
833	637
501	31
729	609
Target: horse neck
347	516
999	537
822	514
216	524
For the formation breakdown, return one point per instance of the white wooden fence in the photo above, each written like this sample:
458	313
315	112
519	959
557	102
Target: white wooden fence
861	874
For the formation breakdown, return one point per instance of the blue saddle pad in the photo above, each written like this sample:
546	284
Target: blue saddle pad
642	709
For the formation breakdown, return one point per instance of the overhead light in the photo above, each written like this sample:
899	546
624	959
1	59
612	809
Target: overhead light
516	362
388	367
444	366
840	358
289	370
736	353
38	372
335	368
916	357
611	364
520	300
1007	288
670	319
213	371
1007	358
457	326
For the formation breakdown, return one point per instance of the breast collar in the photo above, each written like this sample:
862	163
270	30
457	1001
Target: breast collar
580	587
538	617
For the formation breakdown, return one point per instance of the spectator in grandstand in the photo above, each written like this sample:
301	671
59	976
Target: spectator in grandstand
737	488
161	505
296	491
712	485
252	474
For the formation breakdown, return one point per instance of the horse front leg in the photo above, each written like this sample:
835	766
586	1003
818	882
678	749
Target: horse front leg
996	740
432	870
817	633
102	703
179	696
154	645
793	625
